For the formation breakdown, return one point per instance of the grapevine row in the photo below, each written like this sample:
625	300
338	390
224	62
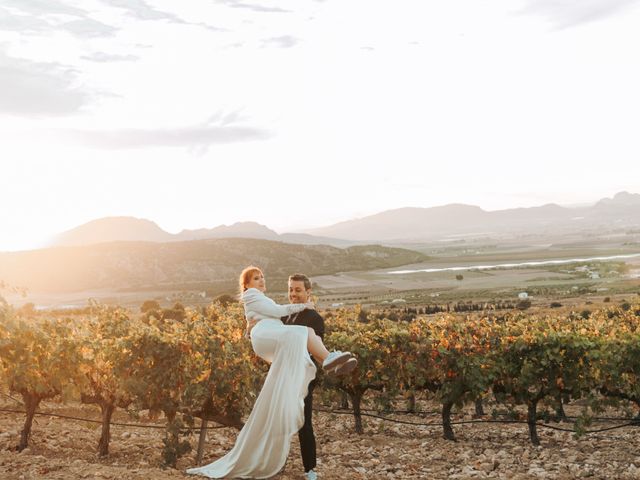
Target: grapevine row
201	366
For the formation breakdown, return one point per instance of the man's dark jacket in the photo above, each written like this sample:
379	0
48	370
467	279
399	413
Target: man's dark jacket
308	318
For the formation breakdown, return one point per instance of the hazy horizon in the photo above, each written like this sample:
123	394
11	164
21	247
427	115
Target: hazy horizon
45	242
302	113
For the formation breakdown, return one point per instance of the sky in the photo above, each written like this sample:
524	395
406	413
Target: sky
302	113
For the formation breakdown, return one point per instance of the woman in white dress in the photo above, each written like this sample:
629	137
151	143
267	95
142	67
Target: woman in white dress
262	446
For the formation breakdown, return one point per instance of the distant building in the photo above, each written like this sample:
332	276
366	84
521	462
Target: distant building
398	300
594	275
523	295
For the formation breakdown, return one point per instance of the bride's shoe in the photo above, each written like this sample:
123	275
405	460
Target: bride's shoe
335	358
345	368
339	363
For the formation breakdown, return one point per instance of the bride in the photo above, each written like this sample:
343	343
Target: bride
262	446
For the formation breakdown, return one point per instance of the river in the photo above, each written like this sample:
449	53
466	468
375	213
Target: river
513	265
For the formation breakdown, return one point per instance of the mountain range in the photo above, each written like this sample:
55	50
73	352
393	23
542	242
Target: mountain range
415	224
135	255
392	226
129	229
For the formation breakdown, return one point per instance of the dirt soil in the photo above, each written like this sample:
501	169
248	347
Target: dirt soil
66	449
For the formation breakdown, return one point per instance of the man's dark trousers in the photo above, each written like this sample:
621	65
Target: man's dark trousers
308	318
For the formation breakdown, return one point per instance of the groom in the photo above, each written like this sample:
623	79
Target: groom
300	292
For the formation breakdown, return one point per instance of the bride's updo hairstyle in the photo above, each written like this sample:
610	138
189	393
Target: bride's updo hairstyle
245	276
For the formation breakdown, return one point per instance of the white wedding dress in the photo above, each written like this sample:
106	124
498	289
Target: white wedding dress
262	446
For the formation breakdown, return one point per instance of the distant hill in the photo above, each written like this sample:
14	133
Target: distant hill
621	199
198	264
237	230
414	224
111	229
126	229
400	225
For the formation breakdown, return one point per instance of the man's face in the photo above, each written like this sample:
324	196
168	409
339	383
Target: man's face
297	293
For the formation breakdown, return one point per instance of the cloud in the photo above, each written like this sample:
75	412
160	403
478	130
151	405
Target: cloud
141	10
102	57
88	28
38	7
35	17
34	89
285	41
568	13
21	23
38	16
253	6
198	138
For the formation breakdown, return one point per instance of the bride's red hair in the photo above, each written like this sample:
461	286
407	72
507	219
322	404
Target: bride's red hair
245	276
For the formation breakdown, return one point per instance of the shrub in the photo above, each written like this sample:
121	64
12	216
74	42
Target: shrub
225	299
149	305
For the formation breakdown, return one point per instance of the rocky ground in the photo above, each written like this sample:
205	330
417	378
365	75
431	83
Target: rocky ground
65	449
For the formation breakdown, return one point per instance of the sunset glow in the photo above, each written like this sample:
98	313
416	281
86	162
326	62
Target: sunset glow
196	114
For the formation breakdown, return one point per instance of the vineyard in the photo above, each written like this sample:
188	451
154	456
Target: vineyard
530	369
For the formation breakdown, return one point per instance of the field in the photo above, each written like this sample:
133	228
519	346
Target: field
544	283
575	283
65	450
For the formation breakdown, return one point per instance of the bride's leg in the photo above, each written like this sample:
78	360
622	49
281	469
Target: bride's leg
315	346
334	363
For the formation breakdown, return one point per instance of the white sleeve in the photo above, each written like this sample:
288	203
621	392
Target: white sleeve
263	305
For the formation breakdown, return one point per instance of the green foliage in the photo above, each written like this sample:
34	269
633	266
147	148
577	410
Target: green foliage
226	370
225	299
149	305
203	365
174	448
27	310
103	358
523	304
361	314
40	357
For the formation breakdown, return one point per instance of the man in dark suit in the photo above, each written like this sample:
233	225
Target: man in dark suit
300	292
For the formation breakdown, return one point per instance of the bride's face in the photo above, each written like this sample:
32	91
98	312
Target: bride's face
257	281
